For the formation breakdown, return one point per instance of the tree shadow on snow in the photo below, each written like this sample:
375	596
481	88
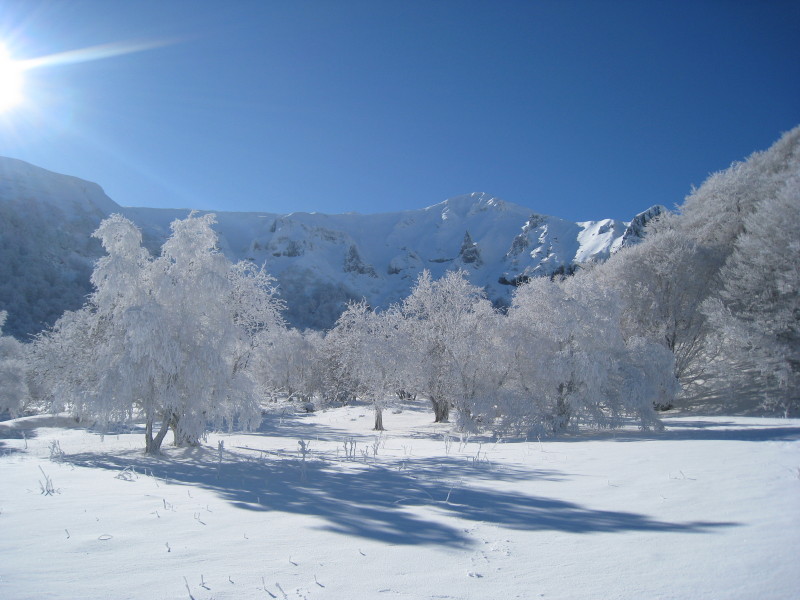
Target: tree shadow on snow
25	427
697	430
298	426
729	430
12	433
6	450
391	503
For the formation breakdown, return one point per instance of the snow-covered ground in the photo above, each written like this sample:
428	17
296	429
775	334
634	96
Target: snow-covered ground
708	509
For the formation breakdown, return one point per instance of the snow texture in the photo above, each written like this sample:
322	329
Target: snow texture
707	509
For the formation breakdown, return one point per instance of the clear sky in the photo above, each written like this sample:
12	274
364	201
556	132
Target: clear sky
578	109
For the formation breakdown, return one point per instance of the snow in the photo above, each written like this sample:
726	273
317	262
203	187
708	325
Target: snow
707	509
596	239
24	182
304	250
307	252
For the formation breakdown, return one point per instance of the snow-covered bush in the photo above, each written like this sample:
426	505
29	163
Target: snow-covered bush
13	384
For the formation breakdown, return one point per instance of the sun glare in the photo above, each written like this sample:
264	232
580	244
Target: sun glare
10	81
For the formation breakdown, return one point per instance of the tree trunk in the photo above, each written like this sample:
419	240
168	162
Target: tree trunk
404	395
181	438
563	409
379	419
441	410
152	445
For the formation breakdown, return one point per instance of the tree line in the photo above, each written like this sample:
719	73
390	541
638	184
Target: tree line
704	310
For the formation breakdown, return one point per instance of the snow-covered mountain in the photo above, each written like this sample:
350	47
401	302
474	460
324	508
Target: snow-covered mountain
321	261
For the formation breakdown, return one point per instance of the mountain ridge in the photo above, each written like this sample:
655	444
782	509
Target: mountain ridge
320	260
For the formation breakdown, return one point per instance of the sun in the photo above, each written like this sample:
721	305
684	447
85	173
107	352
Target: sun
10	81
11	71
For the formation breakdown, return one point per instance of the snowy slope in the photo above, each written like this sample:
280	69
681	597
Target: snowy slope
705	510
23	182
378	257
46	254
321	261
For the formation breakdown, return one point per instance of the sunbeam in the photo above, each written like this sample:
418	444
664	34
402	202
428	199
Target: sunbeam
93	53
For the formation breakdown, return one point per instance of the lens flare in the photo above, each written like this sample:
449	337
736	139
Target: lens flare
10	81
11	71
94	53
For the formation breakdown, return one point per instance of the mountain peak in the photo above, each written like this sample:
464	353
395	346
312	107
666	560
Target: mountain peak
636	230
466	205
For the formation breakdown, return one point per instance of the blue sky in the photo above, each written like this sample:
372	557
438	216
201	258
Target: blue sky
579	109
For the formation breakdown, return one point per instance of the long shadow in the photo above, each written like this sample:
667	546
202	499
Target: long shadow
8	433
304	426
698	430
745	432
299	426
6	450
713	431
27	426
381	502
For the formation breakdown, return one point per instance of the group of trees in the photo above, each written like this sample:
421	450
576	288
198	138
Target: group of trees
754	314
717	284
706	306
704	311
186	340
556	360
166	339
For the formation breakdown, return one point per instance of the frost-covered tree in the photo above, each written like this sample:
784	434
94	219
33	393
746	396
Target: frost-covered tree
289	365
662	283
666	280
163	338
60	365
442	322
644	380
75	363
13	384
334	363
369	347
714	214
556	376
252	297
572	364
756	314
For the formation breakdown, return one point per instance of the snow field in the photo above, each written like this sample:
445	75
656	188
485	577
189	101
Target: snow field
708	509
